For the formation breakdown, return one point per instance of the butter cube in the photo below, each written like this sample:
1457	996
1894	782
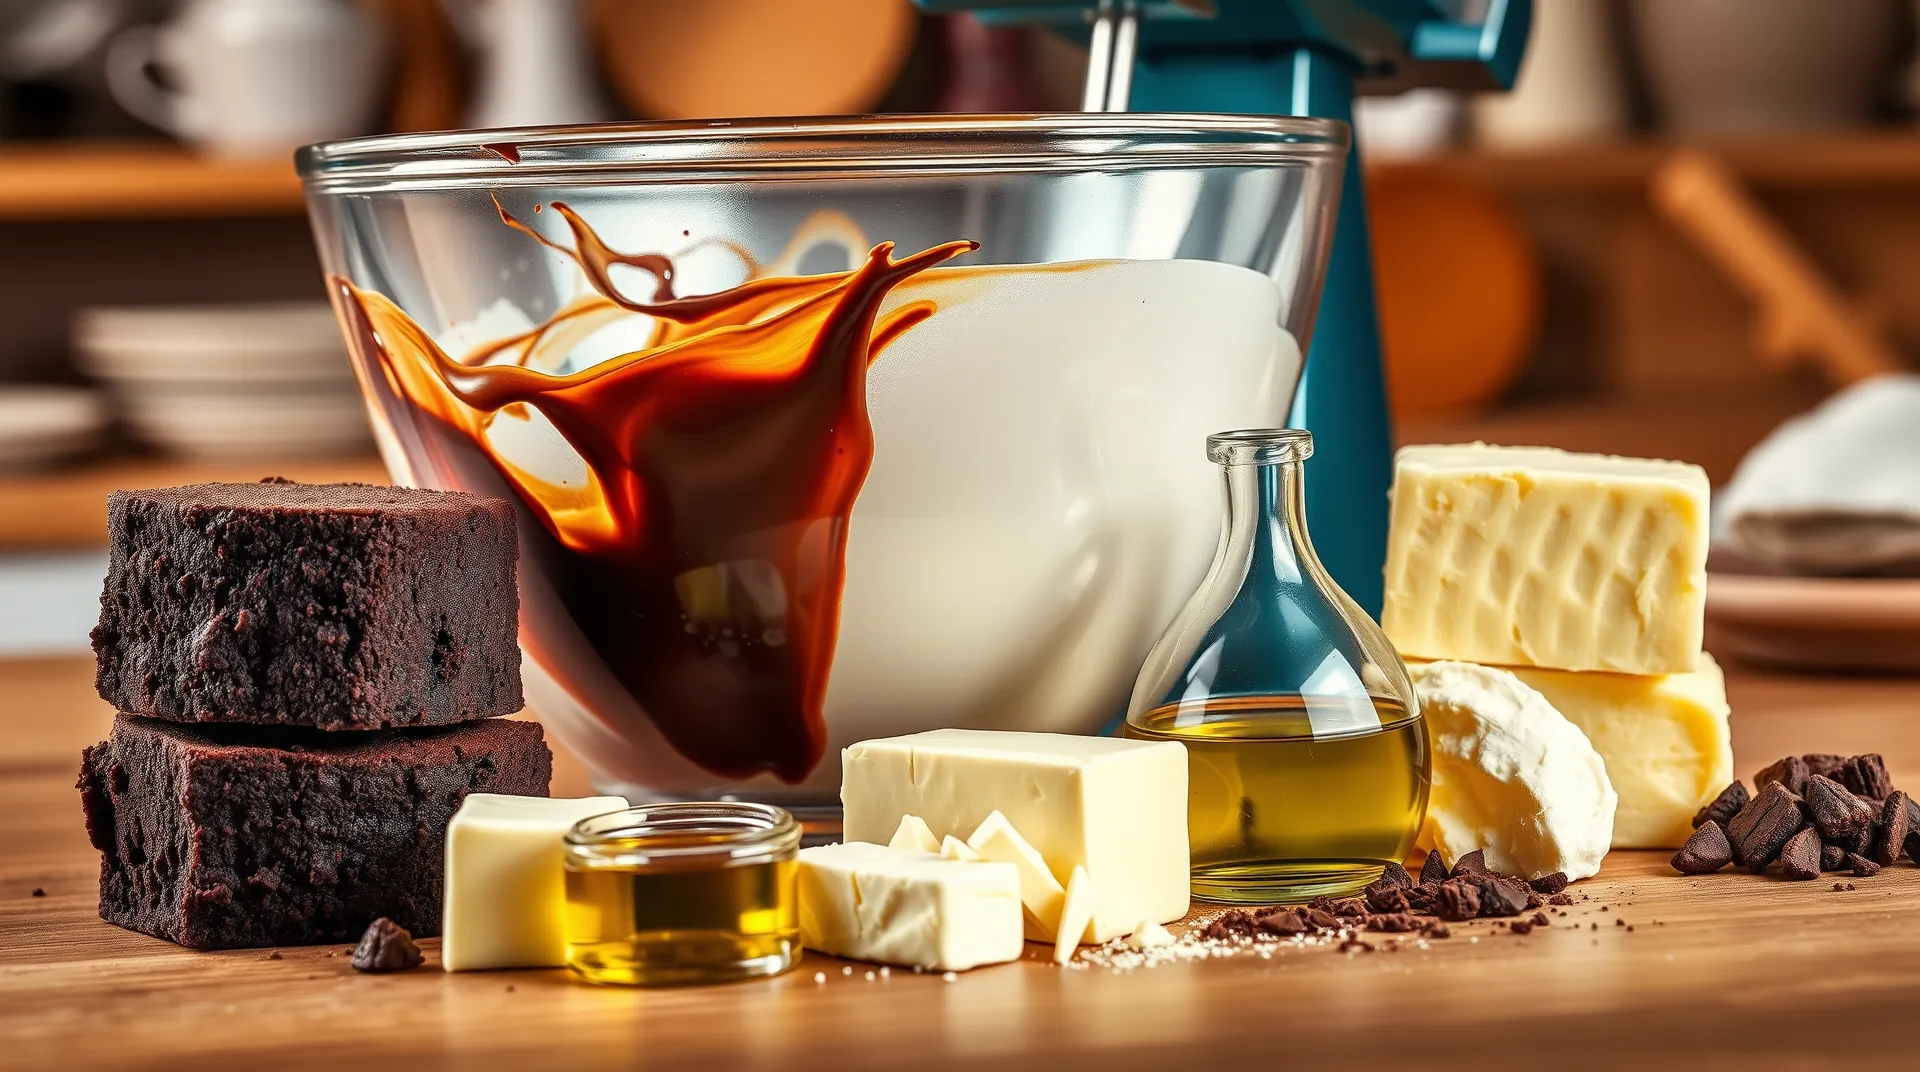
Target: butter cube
872	902
913	834
506	886
1040	893
1117	808
1665	740
1529	556
952	848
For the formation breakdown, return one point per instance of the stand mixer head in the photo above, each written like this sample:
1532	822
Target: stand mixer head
1310	58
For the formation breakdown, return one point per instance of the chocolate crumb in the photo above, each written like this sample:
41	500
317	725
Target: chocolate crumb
1501	895
38	892
1800	858
1394	922
1560	899
1839	887
1791	772
1833	809
1355	945
1535	900
1725	806
1866	775
1540	920
1891	837
1437	929
1395	875
1521	926
386	947
1282	923
1851	886
1319	920
1473	863
1387	899
1552	883
1618	922
1349	908
1457	899
1233	923
1434	871
509	988
275	955
1862	867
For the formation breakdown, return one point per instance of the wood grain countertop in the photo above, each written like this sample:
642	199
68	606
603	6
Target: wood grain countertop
1723	971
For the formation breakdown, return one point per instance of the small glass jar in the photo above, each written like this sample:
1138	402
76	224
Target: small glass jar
1307	755
674	894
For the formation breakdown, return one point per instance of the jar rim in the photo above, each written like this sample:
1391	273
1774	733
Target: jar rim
722	833
1260	446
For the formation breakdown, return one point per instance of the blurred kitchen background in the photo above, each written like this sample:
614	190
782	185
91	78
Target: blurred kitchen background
1691	220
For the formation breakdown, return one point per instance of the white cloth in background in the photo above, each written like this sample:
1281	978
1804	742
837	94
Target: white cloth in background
1835	490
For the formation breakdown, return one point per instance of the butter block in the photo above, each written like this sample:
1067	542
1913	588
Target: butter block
1530	556
506	887
872	902
1666	741
914	834
1117	808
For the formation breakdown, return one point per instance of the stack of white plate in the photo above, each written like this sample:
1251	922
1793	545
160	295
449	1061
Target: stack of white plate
43	424
228	381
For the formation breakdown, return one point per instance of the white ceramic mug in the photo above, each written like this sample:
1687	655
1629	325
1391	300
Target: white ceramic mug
254	77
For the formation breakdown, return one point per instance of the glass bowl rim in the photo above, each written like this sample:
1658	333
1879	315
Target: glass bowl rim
745	833
818	147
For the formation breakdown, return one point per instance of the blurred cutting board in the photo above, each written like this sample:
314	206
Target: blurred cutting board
676	59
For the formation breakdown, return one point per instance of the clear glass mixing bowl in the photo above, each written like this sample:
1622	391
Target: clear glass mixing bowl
781	491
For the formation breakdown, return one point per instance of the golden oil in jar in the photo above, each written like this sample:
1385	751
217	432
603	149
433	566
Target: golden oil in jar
1293	797
674	894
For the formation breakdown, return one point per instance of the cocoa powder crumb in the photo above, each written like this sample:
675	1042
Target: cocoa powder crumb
386	947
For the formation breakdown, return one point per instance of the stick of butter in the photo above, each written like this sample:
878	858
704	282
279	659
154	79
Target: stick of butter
1117	808
1529	556
1666	741
872	902
506	886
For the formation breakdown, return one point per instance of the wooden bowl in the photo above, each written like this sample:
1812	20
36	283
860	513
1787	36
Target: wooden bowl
681	59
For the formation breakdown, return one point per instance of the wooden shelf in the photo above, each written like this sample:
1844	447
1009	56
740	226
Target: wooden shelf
68	507
96	181
1877	157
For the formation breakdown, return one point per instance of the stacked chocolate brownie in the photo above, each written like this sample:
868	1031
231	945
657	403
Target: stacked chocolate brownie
306	677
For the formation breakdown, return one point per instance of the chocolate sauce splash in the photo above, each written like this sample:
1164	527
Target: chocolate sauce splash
703	558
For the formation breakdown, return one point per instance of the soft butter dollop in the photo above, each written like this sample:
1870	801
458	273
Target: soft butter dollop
1512	777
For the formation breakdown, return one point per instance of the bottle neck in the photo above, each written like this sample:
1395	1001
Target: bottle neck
1266	514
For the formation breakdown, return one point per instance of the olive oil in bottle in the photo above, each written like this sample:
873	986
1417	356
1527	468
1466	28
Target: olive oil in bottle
1293	797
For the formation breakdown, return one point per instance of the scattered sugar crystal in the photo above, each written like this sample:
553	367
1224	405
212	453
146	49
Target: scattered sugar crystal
870	977
819	977
846	969
951	977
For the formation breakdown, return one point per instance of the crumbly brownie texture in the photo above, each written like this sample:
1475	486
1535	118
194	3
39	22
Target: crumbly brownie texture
337	606
230	836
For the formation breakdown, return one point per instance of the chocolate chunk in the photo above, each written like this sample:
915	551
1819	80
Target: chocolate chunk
1800	858
1322	921
1233	923
1705	852
1866	775
1553	883
1502	895
1862	867
386	947
1420	898
1323	902
1833	858
1540	919
1832	808
1349	908
1434	871
1891	835
1536	899
1395	875
1283	923
335	606
1762	828
1457	899
1394	922
1437	929
38	892
1825	764
1913	844
1521	926
1472	863
1386	898
1790	772
1725	806
1355	945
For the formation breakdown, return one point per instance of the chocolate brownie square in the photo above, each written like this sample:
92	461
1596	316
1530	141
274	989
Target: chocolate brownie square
220	837
338	606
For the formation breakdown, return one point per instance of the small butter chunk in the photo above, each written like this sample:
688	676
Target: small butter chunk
1665	739
895	906
1511	776
953	848
1150	936
1528	556
505	886
1040	893
1076	916
913	834
1117	808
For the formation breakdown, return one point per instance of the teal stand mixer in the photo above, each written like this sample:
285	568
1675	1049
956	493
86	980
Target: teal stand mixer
1299	57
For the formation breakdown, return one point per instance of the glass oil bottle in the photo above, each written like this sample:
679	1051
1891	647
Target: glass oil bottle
1307	755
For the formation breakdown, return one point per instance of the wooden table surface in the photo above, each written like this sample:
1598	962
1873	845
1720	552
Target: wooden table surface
1723	971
